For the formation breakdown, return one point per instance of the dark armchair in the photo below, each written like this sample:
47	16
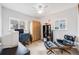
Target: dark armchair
49	46
68	40
67	43
23	37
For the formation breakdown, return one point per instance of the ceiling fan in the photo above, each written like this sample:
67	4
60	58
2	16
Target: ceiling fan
40	8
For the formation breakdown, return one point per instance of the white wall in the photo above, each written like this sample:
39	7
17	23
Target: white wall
78	23
0	20
10	13
71	17
78	20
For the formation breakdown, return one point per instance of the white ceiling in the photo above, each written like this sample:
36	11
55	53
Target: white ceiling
27	8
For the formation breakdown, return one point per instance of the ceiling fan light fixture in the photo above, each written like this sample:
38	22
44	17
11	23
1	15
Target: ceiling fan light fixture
40	8
40	11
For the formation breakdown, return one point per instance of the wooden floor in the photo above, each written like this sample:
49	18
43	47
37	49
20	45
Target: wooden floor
38	48
35	48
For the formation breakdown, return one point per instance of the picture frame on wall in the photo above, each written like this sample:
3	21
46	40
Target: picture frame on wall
60	25
15	23
22	25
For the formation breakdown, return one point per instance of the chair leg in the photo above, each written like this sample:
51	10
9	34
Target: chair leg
66	51
62	50
50	51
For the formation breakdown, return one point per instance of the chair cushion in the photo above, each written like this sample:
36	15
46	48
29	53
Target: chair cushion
24	37
60	41
49	44
70	38
67	42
